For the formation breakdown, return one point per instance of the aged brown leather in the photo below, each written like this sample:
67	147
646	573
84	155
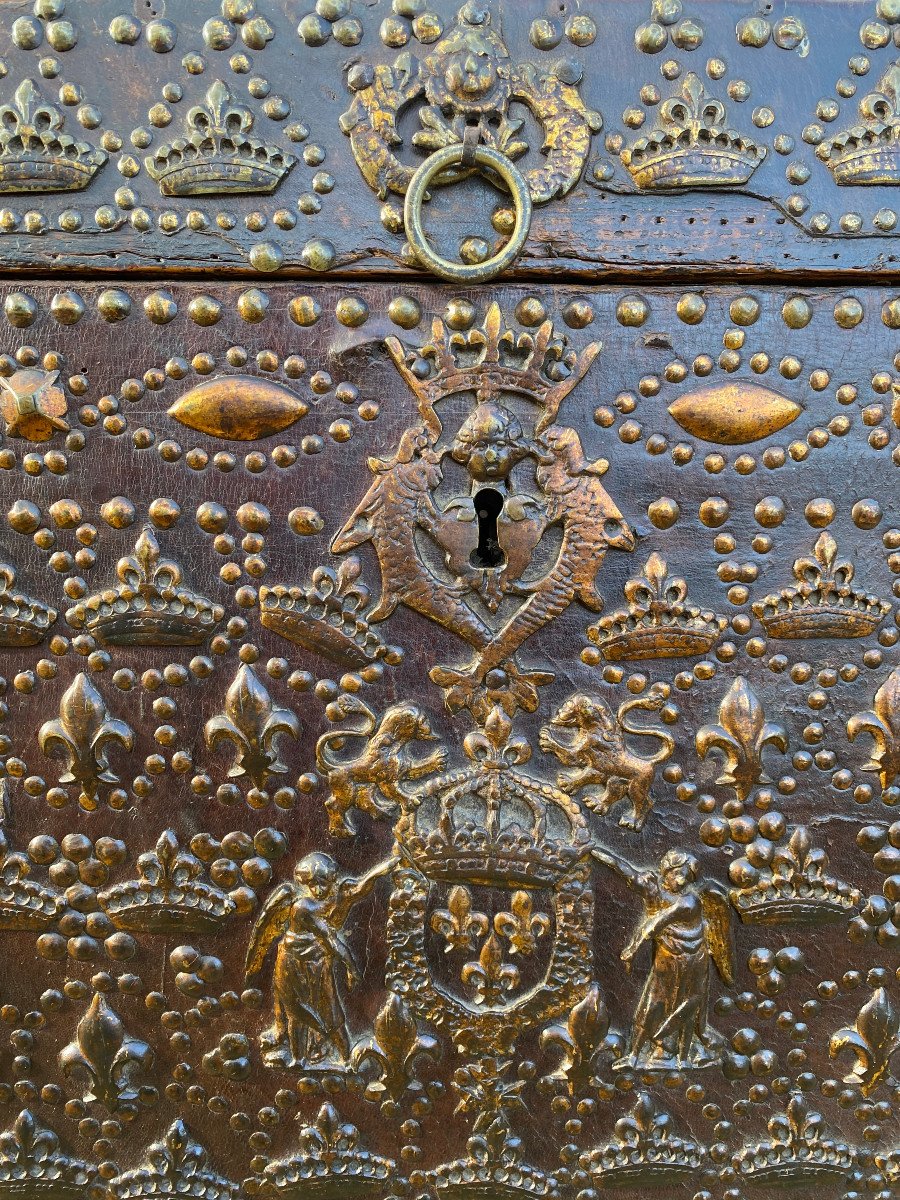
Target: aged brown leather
450	734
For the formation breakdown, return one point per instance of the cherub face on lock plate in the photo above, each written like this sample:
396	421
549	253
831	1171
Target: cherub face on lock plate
490	442
466	70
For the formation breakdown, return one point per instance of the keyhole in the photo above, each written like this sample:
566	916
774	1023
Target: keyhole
488	505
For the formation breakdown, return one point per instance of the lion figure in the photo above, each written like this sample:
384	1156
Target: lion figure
372	782
589	741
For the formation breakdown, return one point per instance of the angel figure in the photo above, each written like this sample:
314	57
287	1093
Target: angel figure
306	918
687	924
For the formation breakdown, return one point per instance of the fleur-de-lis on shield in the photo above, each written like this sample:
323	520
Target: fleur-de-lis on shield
395	1048
521	926
253	723
106	1055
874	1039
461	926
741	736
883	723
84	730
490	976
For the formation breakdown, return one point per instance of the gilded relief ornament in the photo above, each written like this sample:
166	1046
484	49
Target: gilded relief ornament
511	482
660	621
219	156
693	147
468	77
646	1153
176	1165
589	741
24	621
32	1162
85	731
374	781
687	925
304	920
35	154
868	153
822	604
32	405
149	606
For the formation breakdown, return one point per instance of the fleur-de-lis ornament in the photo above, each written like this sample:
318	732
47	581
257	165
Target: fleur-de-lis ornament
461	926
490	976
253	723
882	721
581	1040
874	1039
105	1055
395	1048
741	736
521	926
84	730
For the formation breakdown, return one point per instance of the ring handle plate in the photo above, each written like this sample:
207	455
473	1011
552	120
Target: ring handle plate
412	214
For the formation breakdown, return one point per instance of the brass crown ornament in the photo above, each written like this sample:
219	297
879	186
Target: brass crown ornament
24	621
331	1164
822	604
35	154
660	621
490	823
795	889
328	616
693	147
176	1166
868	153
219	156
645	1152
32	1164
149	607
169	896
798	1152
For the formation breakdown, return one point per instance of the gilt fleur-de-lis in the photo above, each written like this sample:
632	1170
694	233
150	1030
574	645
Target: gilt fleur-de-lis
105	1055
461	926
490	976
253	723
521	926
84	730
874	1039
581	1039
741	736
883	723
395	1048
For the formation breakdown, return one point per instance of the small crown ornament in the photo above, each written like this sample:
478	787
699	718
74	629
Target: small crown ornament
660	621
219	156
869	153
694	147
797	1154
35	155
645	1152
492	1167
795	889
24	903
169	895
32	1166
822	604
23	620
176	1166
148	607
328	616
331	1165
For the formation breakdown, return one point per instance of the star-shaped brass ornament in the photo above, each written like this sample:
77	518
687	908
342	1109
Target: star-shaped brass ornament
32	407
